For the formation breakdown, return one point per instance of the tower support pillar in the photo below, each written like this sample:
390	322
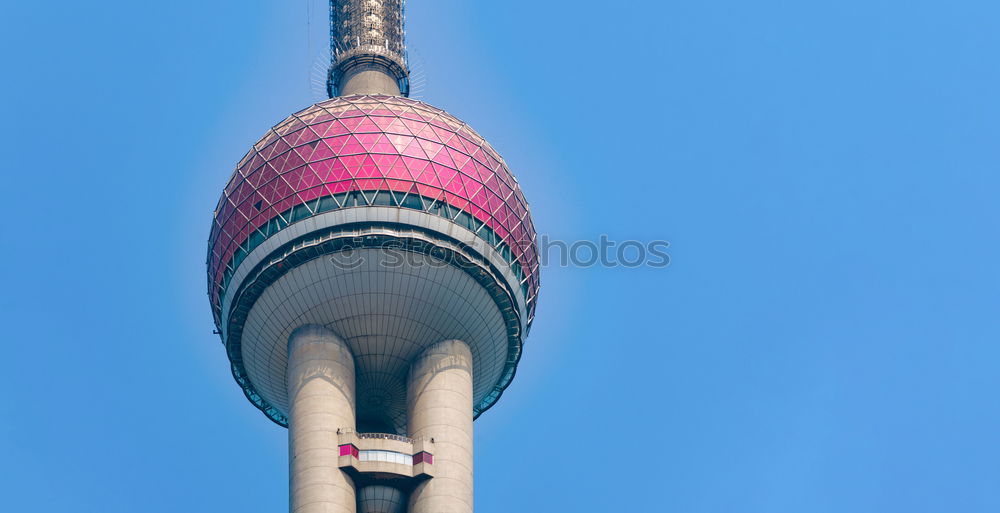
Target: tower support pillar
439	405
368	79
321	397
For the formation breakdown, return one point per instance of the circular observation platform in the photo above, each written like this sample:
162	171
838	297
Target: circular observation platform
391	223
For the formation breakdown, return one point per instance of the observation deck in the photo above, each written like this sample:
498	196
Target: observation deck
386	456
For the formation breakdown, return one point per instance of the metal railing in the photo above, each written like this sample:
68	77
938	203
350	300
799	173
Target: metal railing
378	436
386	436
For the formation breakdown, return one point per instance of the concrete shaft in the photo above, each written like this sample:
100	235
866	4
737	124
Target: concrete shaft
439	405
368	79
321	398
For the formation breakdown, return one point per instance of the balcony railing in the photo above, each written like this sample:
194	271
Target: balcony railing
386	436
379	436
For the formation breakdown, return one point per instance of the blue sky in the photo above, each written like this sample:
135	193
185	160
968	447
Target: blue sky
825	339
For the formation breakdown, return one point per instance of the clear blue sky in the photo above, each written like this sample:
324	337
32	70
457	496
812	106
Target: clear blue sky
825	340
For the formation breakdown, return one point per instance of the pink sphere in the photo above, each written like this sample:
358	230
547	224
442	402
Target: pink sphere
418	153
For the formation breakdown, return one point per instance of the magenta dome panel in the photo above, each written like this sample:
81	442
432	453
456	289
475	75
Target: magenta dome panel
418	154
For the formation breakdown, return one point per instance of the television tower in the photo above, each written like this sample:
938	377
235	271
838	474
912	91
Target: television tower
372	271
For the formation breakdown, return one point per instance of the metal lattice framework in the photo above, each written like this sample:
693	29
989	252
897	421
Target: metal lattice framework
367	32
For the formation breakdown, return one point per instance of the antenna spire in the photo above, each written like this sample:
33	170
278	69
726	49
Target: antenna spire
367	48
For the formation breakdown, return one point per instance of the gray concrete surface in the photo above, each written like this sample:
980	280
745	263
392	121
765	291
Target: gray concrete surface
439	405
321	395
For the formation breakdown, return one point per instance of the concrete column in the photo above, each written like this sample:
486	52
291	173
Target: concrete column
321	395
368	79
439	404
